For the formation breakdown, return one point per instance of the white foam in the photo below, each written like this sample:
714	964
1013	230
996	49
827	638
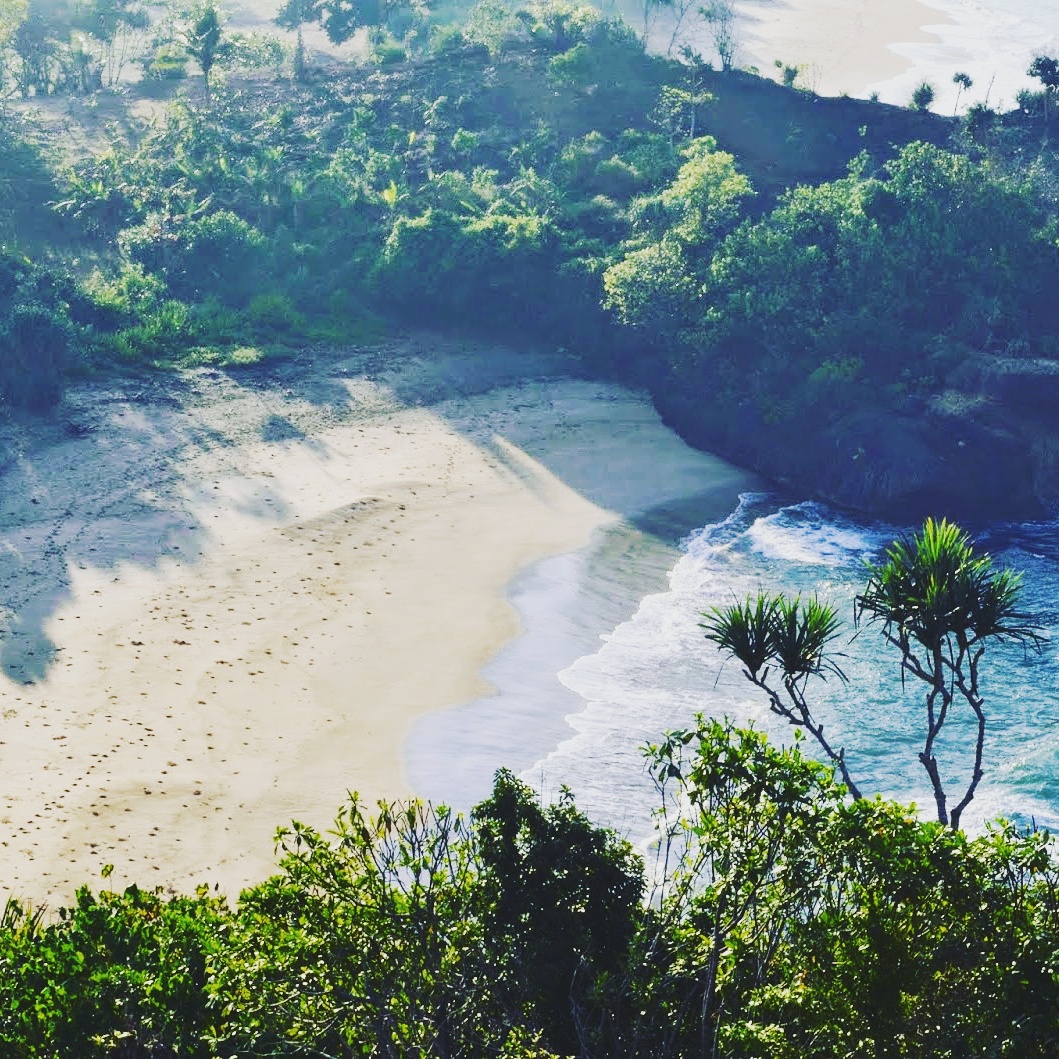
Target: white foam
656	672
993	41
802	535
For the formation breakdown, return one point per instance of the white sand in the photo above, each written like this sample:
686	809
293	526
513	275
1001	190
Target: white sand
838	45
228	598
888	47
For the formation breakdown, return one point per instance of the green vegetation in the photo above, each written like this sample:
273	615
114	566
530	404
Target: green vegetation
784	920
854	298
939	603
761	258
923	96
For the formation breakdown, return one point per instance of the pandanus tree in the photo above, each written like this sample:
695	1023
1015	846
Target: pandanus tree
771	633
939	603
1046	70
961	81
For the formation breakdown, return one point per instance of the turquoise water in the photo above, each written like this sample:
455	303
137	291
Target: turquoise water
608	663
656	671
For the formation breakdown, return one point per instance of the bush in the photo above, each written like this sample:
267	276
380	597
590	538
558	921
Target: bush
163	332
388	53
617	179
218	253
923	96
34	351
978	120
273	316
1030	102
446	40
169	63
123	299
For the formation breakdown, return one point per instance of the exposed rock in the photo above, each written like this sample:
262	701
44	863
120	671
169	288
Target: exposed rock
972	459
1032	383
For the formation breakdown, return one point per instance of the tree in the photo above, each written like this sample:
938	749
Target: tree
923	96
1046	70
939	601
656	285
650	12
563	904
961	81
792	636
12	15
36	44
805	923
741	822
113	24
719	16
293	15
340	19
202	41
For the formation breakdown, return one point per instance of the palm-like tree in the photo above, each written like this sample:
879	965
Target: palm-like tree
790	636
940	602
202	41
962	81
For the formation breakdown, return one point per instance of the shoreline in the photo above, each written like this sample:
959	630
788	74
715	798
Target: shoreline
865	47
659	489
228	597
840	46
567	606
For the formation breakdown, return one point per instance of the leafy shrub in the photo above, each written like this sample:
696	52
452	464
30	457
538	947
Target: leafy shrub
126	297
447	39
978	120
388	53
161	333
923	96
560	24
14	272
464	141
577	161
218	253
497	266
169	63
599	218
489	24
273	315
113	975
34	351
617	179
247	52
651	154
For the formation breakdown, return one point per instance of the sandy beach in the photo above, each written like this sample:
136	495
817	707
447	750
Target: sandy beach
886	48
839	46
227	596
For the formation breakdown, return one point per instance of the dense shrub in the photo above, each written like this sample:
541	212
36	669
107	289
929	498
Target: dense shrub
785	920
218	254
34	351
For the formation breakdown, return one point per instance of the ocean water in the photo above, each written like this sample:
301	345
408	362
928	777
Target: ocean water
993	41
653	670
657	671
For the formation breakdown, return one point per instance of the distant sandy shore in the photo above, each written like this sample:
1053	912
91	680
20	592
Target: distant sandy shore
227	596
839	46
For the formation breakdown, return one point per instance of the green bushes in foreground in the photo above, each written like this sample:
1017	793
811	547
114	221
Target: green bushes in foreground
782	920
36	305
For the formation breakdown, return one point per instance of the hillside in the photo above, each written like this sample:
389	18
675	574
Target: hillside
522	185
